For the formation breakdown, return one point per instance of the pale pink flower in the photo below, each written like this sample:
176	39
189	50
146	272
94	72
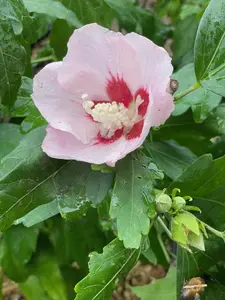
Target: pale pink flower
103	98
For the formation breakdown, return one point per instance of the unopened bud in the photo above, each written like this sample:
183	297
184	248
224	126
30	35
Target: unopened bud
163	203
178	203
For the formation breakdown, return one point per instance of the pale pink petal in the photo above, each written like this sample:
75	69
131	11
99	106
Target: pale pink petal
123	61
156	71
93	48
63	145
61	109
162	108
82	82
155	62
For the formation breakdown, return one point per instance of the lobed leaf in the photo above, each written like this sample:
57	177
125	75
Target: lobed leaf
104	270
131	199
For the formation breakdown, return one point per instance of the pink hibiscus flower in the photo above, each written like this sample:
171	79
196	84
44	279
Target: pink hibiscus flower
103	98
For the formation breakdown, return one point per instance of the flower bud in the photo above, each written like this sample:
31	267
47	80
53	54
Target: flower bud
163	203
178	203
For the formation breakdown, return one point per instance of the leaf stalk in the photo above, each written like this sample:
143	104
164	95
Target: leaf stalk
194	87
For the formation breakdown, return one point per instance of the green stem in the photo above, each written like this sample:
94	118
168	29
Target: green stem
188	91
164	250
218	233
163	225
43	59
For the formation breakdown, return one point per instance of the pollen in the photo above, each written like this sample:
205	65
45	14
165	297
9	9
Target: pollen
111	116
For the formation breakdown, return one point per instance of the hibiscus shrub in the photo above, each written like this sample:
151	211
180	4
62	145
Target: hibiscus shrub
112	148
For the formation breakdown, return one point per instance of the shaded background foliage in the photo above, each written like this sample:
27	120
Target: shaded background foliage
54	213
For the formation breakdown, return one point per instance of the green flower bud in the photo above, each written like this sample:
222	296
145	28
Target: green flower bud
163	203
178	203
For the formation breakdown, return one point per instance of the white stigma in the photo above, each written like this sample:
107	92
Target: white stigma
111	116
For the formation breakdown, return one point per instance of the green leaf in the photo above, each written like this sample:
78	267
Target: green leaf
76	194
185	132
214	291
32	289
84	232
25	107
191	8
178	233
209	48
52	9
162	289
21	106
12	62
10	137
60	34
193	177
24	186
88	11
216	120
33	120
169	156
132	17
71	277
201	101
44	24
46	269
189	221
91	11
218	147
183	44
97	186
131	198
196	241
208	176
19	18
39	214
16	248
104	270
149	254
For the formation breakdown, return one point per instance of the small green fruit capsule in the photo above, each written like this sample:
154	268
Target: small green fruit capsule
163	203
178	203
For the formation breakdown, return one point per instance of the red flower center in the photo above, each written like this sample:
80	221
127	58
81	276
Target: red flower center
123	115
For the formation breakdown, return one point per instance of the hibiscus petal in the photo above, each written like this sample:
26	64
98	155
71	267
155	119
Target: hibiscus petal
163	106
63	145
93	48
155	62
83	82
156	71
61	109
